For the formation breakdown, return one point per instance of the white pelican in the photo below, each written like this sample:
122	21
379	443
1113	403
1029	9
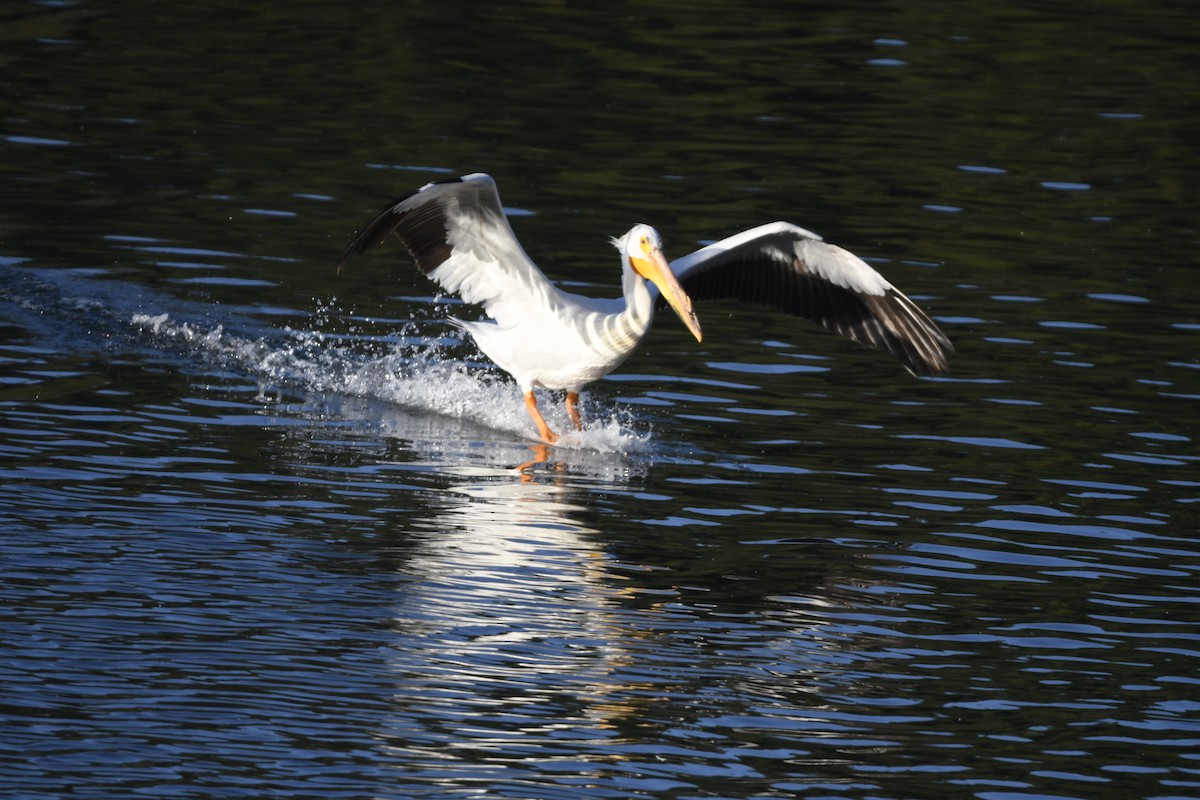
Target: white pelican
544	337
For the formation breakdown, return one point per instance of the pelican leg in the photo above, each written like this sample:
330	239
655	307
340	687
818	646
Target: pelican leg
573	410
548	436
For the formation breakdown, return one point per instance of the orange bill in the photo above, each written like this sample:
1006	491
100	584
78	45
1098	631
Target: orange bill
655	269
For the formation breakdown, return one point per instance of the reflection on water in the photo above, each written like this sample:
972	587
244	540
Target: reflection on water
524	649
266	530
505	630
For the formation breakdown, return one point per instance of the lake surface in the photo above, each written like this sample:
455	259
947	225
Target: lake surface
261	528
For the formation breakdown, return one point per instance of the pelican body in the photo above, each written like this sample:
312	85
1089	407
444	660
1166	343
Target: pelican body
547	338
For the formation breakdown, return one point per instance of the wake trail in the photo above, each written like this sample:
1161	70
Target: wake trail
77	311
416	373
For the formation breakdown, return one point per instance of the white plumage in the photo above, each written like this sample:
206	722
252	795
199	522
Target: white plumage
544	337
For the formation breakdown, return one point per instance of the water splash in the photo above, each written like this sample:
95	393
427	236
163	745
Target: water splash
414	372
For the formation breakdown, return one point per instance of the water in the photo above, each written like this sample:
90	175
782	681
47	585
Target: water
267	530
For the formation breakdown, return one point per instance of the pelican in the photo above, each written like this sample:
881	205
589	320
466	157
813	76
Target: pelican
457	233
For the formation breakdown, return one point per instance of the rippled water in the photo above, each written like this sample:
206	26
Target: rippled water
269	531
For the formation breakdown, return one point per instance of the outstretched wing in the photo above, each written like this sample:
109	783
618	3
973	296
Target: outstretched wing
457	233
785	266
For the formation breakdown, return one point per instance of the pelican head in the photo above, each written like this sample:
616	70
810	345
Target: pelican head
641	248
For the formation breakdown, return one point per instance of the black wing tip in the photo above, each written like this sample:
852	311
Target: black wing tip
374	232
419	222
914	338
384	223
390	218
928	368
920	366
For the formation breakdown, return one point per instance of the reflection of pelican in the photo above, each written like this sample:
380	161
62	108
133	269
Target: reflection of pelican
506	595
457	232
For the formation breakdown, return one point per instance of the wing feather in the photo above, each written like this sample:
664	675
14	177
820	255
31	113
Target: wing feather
458	234
789	268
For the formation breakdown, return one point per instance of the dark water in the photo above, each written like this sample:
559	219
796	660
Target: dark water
260	531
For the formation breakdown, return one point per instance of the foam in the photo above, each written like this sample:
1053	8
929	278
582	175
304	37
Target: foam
413	372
